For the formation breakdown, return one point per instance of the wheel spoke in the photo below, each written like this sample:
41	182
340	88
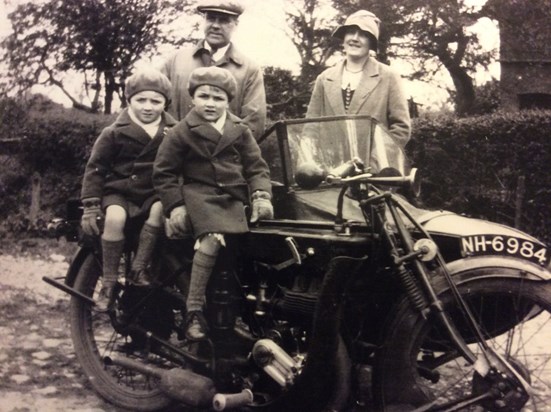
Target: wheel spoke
515	318
94	338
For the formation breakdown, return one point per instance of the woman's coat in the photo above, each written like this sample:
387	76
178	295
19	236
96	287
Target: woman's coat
379	94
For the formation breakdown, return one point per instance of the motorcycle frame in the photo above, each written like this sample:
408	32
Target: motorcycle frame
406	260
388	201
401	244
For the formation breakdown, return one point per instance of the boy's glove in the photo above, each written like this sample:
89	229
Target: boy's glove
262	206
178	223
92	213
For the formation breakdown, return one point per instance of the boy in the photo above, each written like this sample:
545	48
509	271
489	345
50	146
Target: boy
222	170
118	178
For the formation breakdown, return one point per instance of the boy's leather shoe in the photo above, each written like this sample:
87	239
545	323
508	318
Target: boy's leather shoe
140	278
196	326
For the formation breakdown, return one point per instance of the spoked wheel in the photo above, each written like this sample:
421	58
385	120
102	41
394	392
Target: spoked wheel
95	338
417	365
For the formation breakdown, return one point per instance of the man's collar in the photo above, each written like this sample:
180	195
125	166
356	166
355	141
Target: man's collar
232	53
219	53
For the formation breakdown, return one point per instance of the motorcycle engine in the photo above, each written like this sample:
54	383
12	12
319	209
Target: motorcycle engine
299	304
299	301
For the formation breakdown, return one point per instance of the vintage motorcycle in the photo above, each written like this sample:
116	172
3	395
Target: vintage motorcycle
350	299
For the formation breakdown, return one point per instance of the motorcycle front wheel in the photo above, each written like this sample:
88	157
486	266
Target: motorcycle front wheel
418	366
95	338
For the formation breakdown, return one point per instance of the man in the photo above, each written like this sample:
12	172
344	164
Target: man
221	20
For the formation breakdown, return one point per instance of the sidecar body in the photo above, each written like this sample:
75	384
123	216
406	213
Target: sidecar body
302	152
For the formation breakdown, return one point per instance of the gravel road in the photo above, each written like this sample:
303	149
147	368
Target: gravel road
38	371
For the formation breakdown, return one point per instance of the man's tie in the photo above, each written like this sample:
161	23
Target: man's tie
207	58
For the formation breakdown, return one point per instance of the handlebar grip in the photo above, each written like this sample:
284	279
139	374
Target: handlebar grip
222	401
332	179
343	170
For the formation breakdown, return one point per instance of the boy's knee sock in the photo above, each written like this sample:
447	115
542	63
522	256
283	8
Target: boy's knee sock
112	252
146	245
200	274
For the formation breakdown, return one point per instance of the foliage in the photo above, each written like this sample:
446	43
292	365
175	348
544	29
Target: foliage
287	95
310	25
12	116
484	165
99	39
487	98
470	165
431	35
55	142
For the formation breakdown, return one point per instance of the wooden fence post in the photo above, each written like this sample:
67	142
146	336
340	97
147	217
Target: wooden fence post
36	181
521	189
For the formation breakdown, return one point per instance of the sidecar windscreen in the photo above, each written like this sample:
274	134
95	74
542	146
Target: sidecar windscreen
330	142
306	149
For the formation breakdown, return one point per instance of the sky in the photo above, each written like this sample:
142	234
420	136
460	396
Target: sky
261	35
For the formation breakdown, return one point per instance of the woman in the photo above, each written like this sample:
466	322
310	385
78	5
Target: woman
360	84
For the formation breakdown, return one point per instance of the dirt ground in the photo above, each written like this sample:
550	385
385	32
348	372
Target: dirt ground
38	371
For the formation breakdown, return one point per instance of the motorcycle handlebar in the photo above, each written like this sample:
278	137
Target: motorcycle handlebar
411	181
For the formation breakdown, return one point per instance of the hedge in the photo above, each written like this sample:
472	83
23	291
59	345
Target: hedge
55	143
478	166
471	165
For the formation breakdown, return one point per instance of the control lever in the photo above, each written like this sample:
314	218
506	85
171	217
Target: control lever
292	244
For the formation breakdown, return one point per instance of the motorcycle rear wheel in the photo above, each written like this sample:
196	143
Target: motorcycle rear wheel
94	338
515	317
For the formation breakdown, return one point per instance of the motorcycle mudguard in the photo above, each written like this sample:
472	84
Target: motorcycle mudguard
76	262
468	269
315	388
456	225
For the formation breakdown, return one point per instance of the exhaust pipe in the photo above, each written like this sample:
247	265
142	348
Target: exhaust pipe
180	384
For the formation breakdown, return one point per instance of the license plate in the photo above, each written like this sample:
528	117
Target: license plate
504	245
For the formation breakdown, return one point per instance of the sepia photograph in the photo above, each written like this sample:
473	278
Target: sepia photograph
275	205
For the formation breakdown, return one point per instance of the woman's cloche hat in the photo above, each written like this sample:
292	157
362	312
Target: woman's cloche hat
363	20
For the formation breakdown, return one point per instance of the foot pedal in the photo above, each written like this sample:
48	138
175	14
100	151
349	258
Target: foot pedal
223	401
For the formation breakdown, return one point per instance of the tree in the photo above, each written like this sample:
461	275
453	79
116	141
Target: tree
487	98
286	95
100	39
309	26
431	34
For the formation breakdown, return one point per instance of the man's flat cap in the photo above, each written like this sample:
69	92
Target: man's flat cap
231	7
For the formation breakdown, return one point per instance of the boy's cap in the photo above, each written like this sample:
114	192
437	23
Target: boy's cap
213	76
148	79
233	8
363	20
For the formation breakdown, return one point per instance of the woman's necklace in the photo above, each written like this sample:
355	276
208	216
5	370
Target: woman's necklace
352	71
351	78
350	81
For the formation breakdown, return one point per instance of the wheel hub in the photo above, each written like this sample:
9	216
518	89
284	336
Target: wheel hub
507	396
